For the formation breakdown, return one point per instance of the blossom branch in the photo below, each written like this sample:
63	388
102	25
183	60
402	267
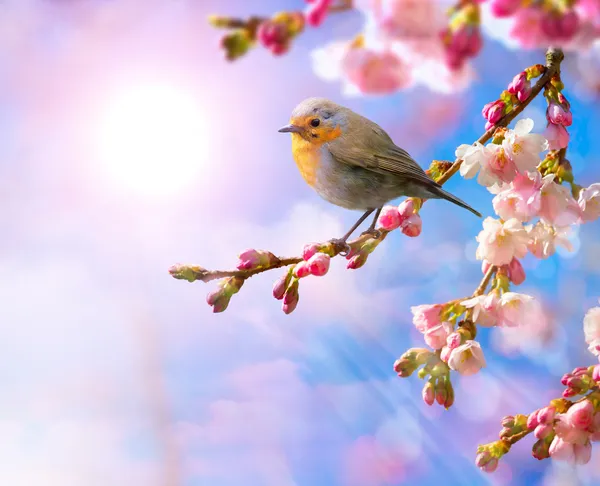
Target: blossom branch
564	429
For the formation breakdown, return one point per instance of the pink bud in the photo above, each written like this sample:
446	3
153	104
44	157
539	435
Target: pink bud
550	25
453	340
532	420
581	414
556	114
518	83
525	93
428	394
445	354
319	264
546	415
440	394
406	209
566	377
542	431
488	125
505	8
596	373
213	295
302	270
271	33
280	286
491	466
568	24
412	226
310	249
516	272
495	112
389	218
357	261
557	136
485	266
569	392
249	258
316	12
291	297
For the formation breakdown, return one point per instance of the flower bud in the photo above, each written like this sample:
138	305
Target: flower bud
310	249
412	226
516	272
546	415
302	270
319	264
428	393
542	431
281	284
251	259
453	340
540	449
389	218
291	297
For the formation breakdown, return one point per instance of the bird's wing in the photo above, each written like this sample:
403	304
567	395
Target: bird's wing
374	150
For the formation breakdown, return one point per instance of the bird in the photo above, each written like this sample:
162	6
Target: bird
351	162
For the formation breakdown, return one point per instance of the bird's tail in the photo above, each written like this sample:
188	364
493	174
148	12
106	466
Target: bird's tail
438	192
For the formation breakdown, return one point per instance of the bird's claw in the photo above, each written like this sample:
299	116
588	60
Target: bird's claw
372	232
341	245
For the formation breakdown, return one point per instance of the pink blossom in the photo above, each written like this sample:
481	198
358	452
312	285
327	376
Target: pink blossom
560	26
580	415
436	336
523	147
400	19
453	340
558	207
557	135
467	359
406	208
591	330
527	28
589	202
490	160
500	242
516	273
389	218
556	114
562	450
445	354
412	226
543	239
376	72
520	199
567	432
426	316
316	12
484	309
318	264
504	8
515	309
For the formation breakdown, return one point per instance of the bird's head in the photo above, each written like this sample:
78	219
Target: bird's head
317	120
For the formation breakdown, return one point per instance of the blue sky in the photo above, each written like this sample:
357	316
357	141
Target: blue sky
114	373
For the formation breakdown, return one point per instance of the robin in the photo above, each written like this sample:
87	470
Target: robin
353	163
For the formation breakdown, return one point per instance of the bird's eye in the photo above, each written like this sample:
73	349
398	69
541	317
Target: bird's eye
315	122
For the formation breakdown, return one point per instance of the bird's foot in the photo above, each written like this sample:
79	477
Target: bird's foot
341	246
372	232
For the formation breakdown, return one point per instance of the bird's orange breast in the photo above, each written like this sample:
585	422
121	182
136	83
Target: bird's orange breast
307	157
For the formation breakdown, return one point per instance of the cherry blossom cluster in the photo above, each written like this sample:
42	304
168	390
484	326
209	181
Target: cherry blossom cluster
405	43
569	23
567	426
275	34
462	38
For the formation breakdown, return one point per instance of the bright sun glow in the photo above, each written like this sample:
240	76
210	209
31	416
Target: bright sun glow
154	139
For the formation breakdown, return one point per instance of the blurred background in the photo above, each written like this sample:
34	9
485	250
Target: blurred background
127	144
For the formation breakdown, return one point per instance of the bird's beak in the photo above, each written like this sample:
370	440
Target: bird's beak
291	128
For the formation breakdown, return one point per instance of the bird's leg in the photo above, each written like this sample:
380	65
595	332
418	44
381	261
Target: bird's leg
342	241
371	229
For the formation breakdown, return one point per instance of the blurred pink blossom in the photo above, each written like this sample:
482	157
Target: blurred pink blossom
591	329
589	202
